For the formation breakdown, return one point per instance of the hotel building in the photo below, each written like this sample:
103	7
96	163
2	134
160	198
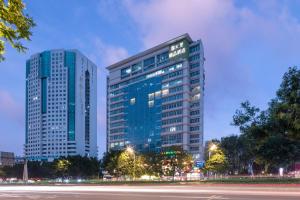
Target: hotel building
155	98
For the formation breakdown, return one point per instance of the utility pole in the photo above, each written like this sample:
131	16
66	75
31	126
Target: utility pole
25	171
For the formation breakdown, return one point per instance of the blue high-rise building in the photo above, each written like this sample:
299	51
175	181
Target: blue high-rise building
155	98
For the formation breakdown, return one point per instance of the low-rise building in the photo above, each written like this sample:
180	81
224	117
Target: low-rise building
7	158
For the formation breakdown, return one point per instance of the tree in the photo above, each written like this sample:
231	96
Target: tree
38	169
271	137
232	149
109	162
15	25
217	162
176	160
285	108
2	173
278	151
153	164
207	145
130	164
83	167
62	166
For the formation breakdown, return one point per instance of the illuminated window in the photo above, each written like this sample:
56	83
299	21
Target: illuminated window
151	96
196	97
172	129
150	103
157	94
165	92
132	101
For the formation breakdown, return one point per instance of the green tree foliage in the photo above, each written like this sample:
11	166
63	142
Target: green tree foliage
62	166
15	171
2	173
131	164
71	166
175	160
217	162
83	167
109	162
207	145
15	25
270	138
39	169
154	164
134	165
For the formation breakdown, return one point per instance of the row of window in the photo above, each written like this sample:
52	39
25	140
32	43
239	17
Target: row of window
176	89
172	105
194	105
116	105
116	124
116	137
120	110
172	75
114	99
172	129
117	130
115	118
195	112
194	57
194	48
172	113
194	65
171	139
195	73
172	121
149	63
195	120
172	98
195	128
172	83
143	77
194	81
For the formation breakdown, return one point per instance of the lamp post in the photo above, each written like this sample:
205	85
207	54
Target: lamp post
211	149
130	150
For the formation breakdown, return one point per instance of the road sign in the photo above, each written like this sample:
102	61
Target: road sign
199	164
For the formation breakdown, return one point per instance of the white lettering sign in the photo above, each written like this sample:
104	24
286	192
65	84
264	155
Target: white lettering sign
177	49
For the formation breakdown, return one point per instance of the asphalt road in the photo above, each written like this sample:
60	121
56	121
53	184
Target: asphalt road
172	192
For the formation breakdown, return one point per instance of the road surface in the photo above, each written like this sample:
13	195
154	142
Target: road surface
153	192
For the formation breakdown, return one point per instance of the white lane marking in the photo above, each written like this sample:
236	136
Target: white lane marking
22	195
114	194
188	197
137	189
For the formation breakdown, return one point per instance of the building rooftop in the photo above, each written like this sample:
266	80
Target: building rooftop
148	51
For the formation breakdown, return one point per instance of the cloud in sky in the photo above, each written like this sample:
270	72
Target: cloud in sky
240	43
109	54
248	46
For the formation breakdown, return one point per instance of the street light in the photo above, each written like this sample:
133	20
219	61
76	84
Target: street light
212	148
130	150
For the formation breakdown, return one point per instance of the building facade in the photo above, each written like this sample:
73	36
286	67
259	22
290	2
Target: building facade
7	158
155	98
61	105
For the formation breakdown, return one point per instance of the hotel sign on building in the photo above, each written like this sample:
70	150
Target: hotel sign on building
179	50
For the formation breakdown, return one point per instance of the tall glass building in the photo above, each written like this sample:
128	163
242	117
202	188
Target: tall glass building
61	105
155	98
